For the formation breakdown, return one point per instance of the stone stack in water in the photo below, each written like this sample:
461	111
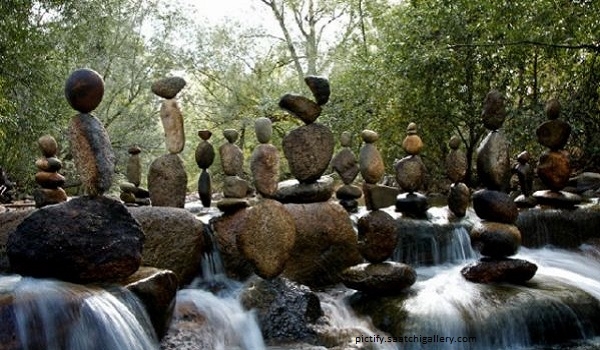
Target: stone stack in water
205	156
456	169
308	148
372	169
131	192
496	236
410	175
235	188
346	165
524	173
47	176
554	167
167	179
87	239
264	162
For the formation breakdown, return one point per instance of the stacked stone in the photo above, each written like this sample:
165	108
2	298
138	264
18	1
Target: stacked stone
264	162
131	193
524	173
372	169
167	179
48	177
308	148
205	156
410	175
554	167
456	169
235	188
346	165
496	236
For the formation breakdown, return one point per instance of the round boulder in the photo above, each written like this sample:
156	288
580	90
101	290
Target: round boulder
377	236
495	239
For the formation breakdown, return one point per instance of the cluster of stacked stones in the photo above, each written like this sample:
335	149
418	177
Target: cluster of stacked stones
372	170
205	157
48	177
131	192
167	178
410	175
554	167
496	236
264	162
346	165
456	169
235	188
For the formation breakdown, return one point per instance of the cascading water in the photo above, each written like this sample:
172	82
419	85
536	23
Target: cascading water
55	315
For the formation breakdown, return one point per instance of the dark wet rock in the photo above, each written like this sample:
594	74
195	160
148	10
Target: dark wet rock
495	206
412	204
325	245
264	165
205	154
301	107
552	109
308	150
557	199
523	201
92	153
86	239
386	278
168	87
586	181
495	239
553	134
379	196
554	169
84	90
174	240
459	199
351	205
348	192
292	191
285	310
51	164
319	86
231	205
346	165
8	223
167	181
524	173
377	236
133	170
497	271
493	162
494	113
266	237
410	173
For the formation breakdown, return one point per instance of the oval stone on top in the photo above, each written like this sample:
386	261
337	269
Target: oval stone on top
308	150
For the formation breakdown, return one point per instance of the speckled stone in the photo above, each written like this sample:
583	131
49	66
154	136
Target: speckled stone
308	150
263	127
377	236
410	173
168	87
264	165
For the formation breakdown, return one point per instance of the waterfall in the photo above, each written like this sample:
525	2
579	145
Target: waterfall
55	315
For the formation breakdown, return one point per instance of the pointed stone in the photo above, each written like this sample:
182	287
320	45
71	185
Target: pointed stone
319	87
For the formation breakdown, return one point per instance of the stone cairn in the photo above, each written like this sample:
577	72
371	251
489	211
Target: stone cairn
410	175
346	165
167	178
308	148
456	169
372	169
205	156
496	236
235	188
554	167
90	238
264	162
524	172
47	176
131	192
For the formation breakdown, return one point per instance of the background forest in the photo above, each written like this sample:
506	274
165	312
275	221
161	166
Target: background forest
388	62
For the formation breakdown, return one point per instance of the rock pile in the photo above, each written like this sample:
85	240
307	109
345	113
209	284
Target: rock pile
205	156
235	188
346	165
47	176
410	175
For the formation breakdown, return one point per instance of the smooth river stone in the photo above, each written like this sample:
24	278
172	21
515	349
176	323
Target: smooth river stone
292	191
308	150
205	154
263	128
92	153
456	165
495	206
319	86
264	165
495	239
412	144
458	199
410	173
49	180
167	181
494	113
499	271
346	165
553	134
232	159
303	108
493	162
371	163
50	164
134	169
377	236
554	169
168	87
84	90
205	188
172	121
234	187
48	146
267	237
386	278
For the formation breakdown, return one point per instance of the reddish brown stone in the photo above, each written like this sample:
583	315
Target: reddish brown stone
84	90
48	146
264	165
553	134
554	169
377	236
493	113
371	163
301	107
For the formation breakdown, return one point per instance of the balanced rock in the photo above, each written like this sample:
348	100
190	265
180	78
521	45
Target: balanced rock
413	204
84	90
377	236
264	165
235	187
495	206
494	113
232	157
133	170
168	87
456	161
263	128
205	188
557	199
308	150
49	180
267	237
348	192
205	152
370	160
50	164
167	181
92	153
458	199
47	196
232	205
227	228
410	173
524	173
497	271
293	191
319	86
553	134
495	239
48	146
379	196
386	278
412	143
301	107
346	165
172	121
554	169
493	162
87	239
